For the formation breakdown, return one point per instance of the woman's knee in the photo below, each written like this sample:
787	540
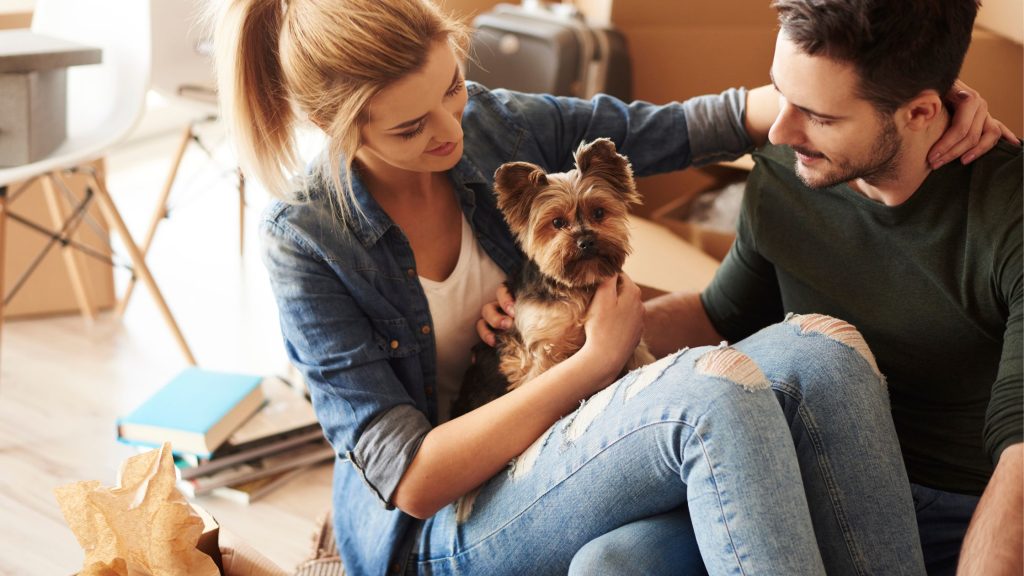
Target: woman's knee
710	384
813	352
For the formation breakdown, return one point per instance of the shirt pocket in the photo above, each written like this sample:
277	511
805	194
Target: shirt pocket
394	337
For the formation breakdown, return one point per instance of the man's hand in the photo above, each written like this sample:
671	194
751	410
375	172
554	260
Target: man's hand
497	315
971	132
992	546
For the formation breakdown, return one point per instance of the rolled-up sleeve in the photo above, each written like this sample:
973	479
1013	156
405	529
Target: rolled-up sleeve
366	414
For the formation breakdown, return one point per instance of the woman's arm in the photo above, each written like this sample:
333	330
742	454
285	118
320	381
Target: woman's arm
463	453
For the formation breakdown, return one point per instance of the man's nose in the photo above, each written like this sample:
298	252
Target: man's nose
786	129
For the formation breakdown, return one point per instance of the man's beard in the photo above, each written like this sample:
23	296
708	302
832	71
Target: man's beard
878	167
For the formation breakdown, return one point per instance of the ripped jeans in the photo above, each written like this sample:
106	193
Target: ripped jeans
774	456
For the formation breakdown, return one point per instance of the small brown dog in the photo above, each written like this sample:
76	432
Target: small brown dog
574	229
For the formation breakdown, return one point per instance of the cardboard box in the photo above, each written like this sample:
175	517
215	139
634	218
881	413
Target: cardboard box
467	9
675	215
663	262
48	289
994	66
15	19
1004	17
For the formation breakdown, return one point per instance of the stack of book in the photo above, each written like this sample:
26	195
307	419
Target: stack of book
234	436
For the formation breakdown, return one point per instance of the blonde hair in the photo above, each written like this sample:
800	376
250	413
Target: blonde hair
325	59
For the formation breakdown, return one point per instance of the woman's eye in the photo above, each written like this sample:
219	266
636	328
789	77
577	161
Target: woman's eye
559	223
415	131
455	89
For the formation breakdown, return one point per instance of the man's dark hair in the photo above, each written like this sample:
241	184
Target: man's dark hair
898	47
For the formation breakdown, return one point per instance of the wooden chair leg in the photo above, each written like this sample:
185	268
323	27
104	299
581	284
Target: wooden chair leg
79	282
138	262
3	249
241	213
158	215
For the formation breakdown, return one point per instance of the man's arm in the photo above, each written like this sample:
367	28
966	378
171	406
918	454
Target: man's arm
993	545
677	320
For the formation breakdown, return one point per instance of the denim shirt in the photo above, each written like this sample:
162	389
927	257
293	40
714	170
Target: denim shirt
354	316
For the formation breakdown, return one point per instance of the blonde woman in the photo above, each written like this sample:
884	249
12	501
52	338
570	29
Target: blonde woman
383	256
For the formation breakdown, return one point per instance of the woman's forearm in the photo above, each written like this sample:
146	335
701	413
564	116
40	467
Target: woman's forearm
463	453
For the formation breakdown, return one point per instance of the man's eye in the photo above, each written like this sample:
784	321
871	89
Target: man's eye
559	223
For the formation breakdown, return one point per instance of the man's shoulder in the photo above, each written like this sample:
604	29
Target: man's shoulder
777	155
774	171
996	179
1001	166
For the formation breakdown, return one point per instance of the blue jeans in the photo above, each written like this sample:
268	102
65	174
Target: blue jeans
942	519
779	453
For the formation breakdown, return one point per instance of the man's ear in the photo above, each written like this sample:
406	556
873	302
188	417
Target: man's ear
517	184
922	110
600	159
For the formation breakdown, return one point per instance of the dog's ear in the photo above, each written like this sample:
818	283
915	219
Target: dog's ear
599	159
517	184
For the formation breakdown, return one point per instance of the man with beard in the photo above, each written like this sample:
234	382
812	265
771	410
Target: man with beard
844	215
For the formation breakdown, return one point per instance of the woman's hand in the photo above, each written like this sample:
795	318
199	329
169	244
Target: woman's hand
971	132
615	323
497	315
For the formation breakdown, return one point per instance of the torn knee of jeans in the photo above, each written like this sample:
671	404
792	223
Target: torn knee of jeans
838	330
588	411
464	506
733	365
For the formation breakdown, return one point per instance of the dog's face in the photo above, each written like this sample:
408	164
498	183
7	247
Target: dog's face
572	224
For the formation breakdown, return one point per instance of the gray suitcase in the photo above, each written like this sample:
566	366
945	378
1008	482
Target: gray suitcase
548	48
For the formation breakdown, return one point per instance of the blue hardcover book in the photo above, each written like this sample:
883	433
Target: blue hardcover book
196	411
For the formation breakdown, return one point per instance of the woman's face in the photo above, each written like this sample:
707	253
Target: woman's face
415	124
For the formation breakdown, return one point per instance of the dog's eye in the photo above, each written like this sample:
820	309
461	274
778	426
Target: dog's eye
598	213
559	223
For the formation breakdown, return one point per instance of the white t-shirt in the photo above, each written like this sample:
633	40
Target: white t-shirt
455	304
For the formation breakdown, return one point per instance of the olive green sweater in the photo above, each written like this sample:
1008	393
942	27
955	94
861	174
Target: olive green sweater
934	284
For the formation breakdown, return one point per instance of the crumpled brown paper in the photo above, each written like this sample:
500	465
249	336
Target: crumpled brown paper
141	527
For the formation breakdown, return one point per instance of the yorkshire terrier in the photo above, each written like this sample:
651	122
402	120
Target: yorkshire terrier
574	230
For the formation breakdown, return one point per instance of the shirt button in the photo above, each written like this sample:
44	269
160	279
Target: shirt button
410	273
425	329
394	344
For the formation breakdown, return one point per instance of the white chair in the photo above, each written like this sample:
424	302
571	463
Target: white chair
105	102
182	72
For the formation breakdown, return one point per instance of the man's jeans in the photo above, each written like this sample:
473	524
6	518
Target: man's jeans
942	519
777	456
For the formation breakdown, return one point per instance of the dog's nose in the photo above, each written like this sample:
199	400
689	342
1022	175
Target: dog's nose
585	244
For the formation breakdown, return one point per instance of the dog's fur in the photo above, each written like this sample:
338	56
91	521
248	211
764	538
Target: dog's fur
573	227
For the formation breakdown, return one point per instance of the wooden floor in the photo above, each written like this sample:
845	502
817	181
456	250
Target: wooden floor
64	381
